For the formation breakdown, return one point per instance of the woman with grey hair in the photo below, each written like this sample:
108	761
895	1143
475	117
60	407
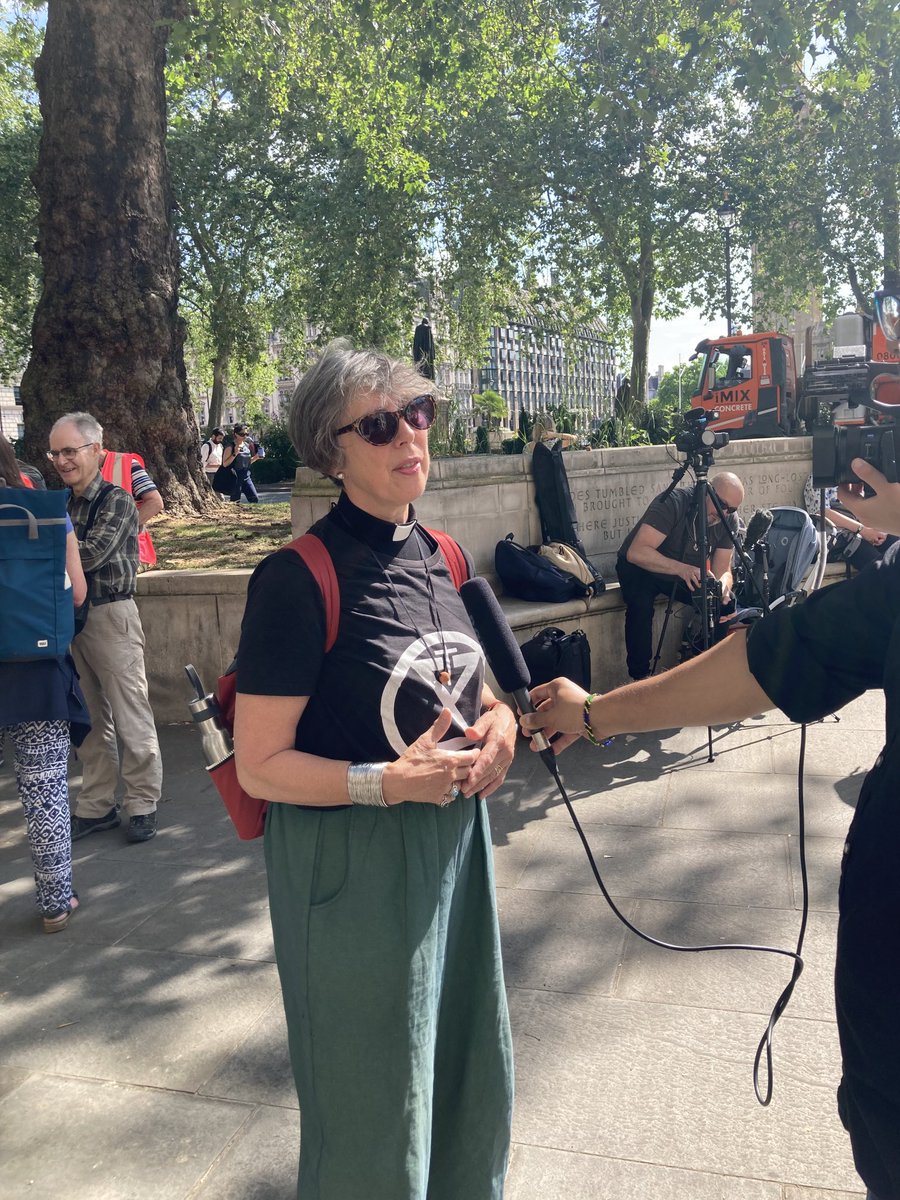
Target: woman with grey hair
376	758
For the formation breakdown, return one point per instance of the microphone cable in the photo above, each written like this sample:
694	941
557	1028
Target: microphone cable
764	1096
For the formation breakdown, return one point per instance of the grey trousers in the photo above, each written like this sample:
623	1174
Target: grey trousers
109	655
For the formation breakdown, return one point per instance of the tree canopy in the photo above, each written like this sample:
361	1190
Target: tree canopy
344	167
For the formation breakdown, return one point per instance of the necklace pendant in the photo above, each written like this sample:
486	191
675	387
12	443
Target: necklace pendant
443	677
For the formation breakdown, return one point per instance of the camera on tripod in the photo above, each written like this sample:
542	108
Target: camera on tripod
695	438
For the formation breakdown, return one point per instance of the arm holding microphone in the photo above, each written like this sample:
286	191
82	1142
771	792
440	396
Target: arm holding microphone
719	686
714	688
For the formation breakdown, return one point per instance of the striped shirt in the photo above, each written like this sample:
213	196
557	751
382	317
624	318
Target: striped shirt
109	553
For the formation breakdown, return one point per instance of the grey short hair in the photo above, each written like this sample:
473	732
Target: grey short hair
89	427
336	378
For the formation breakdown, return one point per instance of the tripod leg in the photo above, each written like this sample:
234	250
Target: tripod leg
662	633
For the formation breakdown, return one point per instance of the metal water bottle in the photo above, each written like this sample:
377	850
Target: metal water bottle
205	712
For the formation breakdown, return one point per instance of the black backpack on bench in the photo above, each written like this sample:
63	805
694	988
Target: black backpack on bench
555	505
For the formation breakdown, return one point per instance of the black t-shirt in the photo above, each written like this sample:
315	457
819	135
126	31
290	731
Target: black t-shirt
673	516
377	690
811	660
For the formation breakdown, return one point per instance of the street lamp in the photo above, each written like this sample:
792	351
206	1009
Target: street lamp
727	214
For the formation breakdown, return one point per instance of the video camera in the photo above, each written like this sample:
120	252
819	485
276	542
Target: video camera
835	446
695	438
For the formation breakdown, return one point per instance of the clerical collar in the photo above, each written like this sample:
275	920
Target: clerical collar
377	533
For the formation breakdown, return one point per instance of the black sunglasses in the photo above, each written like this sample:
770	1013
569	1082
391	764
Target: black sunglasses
728	509
379	428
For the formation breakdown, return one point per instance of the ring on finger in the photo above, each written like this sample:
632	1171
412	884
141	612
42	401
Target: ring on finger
450	796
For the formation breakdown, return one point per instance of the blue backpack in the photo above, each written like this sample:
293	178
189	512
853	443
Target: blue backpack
37	617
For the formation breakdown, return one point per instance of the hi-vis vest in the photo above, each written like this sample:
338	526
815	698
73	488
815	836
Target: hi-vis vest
116	469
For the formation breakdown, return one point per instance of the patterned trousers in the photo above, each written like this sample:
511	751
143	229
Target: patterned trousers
42	759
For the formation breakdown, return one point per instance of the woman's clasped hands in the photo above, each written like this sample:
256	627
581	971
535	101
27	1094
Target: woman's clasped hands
429	774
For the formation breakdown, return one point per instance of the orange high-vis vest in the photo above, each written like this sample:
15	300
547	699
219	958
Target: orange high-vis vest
116	469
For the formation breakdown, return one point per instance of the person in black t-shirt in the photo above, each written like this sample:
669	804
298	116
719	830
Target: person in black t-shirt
661	556
376	758
810	660
240	453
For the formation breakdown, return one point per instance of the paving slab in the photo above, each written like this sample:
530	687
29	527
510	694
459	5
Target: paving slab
663	1084
259	1163
258	1068
738	980
554	1175
562	942
662	864
133	1016
119	1143
747	802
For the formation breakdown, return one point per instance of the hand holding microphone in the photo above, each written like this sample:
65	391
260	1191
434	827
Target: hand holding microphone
502	653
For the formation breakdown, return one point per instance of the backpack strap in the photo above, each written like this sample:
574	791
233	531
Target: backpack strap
315	554
105	489
453	556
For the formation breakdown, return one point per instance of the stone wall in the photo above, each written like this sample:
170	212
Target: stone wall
479	500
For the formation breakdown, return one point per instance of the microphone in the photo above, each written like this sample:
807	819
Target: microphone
759	526
502	653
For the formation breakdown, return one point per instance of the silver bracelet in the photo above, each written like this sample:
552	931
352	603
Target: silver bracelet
364	784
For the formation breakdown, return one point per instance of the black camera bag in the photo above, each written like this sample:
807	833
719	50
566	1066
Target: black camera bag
528	575
552	652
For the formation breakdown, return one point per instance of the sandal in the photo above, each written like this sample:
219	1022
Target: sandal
58	921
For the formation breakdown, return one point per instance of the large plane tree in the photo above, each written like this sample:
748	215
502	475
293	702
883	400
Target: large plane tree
106	337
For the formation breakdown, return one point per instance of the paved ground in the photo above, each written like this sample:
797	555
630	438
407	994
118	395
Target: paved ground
142	1051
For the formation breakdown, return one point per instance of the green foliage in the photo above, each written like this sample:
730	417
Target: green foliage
492	404
281	460
482	441
614	431
458	439
526	425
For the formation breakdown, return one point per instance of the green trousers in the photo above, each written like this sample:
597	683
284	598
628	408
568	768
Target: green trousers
388	950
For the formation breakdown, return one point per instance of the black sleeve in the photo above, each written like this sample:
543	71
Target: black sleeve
817	656
283	631
663	514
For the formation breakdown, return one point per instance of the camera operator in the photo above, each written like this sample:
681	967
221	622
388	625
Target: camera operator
662	553
802	660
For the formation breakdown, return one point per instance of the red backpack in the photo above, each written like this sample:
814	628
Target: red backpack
248	814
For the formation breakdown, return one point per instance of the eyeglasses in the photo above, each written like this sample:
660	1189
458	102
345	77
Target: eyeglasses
728	509
67	451
380	428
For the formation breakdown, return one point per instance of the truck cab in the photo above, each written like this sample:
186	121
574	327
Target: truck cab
750	380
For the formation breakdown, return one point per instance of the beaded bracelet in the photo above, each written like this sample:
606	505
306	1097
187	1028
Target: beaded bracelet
586	716
364	784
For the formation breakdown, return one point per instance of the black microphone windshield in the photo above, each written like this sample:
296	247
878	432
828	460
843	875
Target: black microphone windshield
759	526
500	647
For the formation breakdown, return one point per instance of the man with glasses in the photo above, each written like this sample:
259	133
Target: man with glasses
109	651
661	556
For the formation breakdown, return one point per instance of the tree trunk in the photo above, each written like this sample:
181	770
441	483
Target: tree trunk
641	315
106	337
219	389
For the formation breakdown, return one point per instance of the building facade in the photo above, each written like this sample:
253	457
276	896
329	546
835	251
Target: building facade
535	366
